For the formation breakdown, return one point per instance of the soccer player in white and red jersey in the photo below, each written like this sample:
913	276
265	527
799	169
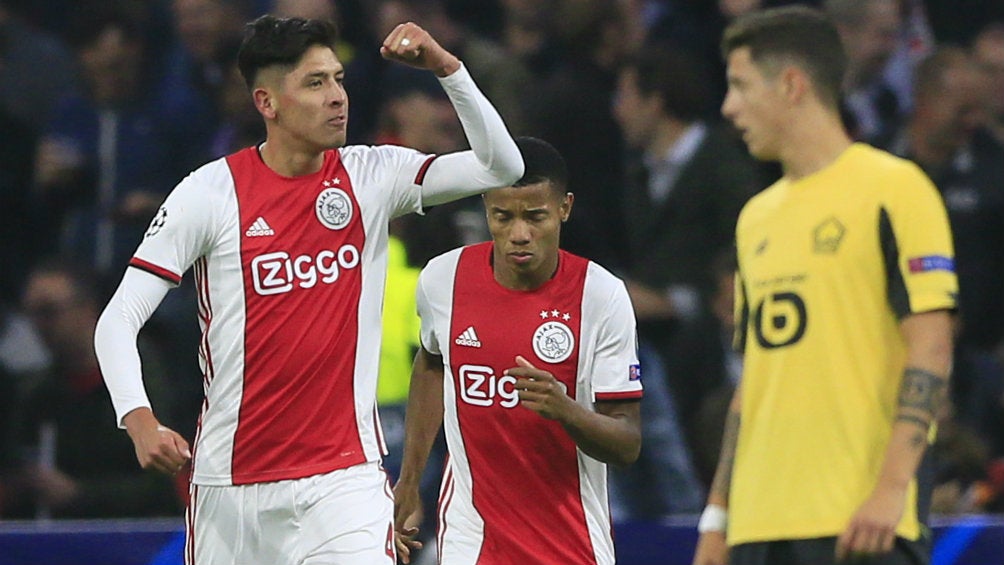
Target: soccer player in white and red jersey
289	242
529	356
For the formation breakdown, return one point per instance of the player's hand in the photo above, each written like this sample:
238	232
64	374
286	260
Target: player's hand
407	514
413	46
157	447
711	549
872	530
539	391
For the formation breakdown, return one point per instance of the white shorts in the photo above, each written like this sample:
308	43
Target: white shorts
340	518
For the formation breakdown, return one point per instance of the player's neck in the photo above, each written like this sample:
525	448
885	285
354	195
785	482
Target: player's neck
290	162
815	140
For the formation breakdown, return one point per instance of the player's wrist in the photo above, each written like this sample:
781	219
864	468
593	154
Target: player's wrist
448	65
713	519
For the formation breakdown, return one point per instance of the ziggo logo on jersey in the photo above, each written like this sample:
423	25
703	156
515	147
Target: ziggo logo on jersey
481	387
276	273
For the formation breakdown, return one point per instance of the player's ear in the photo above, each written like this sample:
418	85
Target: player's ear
566	206
264	101
794	83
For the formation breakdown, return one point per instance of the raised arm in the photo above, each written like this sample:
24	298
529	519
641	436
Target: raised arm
493	160
138	295
922	393
422	421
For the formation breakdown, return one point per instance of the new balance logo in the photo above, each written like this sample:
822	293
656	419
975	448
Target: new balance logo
259	228
468	339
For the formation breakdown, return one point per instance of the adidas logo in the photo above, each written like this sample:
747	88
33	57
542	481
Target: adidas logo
259	228
468	339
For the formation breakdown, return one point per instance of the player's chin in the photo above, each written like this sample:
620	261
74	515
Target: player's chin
333	139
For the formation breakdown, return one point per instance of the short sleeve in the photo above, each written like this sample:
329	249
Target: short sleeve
616	373
427	325
182	229
917	245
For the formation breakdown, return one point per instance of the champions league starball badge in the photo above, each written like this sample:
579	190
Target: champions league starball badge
553	342
158	222
334	208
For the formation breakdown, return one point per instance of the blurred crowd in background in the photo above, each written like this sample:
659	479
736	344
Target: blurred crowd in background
106	104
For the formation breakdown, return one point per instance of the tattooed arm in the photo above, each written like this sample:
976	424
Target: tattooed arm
711	546
922	393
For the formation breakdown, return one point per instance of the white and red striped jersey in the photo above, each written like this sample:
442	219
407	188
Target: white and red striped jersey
290	275
516	488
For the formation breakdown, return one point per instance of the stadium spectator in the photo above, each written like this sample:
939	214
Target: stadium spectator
27	95
288	240
707	369
553	392
103	161
73	464
194	68
944	135
988	51
687	182
845	289
869	30
571	108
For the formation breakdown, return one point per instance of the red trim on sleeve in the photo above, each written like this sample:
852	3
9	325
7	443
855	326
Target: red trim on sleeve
420	177
628	395
155	270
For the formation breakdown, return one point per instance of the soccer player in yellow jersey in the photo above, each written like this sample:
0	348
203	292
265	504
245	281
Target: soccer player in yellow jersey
845	291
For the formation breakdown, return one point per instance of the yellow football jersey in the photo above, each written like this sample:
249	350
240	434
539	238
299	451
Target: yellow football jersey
828	266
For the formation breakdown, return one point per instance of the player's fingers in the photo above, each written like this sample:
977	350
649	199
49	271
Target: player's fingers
404	41
843	544
865	542
522	362
393	38
182	446
403	552
887	541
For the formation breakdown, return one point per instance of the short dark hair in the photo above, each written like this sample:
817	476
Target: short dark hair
270	41
794	34
677	77
542	163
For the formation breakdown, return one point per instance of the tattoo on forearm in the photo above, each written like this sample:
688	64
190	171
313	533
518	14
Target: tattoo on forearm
723	474
922	391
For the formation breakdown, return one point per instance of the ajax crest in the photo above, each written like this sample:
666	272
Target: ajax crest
553	342
334	208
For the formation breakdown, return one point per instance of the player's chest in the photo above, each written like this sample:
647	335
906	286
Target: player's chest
298	236
798	242
487	331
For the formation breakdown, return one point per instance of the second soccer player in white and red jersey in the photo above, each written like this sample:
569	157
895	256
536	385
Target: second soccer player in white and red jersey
529	357
288	240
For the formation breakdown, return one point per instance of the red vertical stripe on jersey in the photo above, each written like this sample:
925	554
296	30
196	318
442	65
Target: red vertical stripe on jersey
524	468
302	284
